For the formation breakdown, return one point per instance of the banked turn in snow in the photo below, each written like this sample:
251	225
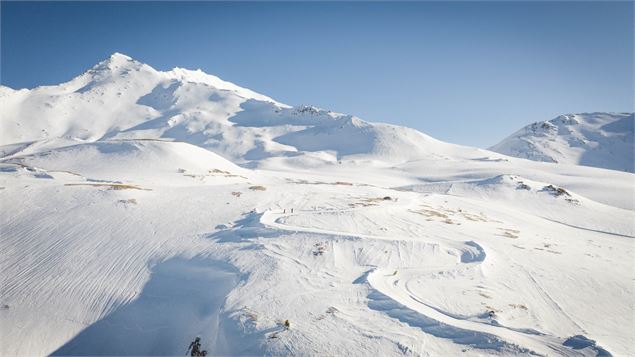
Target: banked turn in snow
143	208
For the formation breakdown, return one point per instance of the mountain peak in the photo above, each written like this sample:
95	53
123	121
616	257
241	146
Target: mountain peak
117	56
115	63
593	139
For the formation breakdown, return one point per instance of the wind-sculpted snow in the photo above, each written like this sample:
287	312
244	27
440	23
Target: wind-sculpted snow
381	302
142	208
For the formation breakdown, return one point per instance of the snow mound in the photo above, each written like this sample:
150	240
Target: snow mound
592	139
137	160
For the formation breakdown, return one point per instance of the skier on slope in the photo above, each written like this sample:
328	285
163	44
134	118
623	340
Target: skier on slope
195	346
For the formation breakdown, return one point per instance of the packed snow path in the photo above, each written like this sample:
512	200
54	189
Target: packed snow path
390	292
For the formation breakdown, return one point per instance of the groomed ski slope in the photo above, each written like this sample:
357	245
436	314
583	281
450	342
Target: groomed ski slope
143	208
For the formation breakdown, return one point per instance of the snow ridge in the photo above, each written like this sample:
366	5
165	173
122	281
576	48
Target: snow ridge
591	139
121	98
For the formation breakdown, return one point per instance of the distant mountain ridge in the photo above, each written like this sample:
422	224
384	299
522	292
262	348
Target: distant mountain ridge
602	140
123	99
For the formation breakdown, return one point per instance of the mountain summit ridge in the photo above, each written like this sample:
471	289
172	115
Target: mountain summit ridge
122	98
596	139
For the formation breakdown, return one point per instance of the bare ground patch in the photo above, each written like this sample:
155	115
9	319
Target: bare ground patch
110	186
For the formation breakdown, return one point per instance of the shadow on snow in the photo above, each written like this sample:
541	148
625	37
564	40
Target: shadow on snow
181	300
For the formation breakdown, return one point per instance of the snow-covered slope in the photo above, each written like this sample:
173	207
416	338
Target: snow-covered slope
591	139
121	98
139	209
165	162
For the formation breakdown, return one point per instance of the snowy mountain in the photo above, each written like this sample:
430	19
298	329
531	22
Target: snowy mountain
142	208
591	139
121	98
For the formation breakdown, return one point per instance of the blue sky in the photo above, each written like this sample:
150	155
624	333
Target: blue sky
463	72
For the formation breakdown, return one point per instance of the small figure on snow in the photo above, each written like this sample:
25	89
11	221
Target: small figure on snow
195	348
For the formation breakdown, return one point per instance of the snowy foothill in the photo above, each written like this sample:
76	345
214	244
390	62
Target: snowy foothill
591	139
143	208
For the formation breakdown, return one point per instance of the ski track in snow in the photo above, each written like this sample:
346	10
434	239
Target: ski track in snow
385	291
390	282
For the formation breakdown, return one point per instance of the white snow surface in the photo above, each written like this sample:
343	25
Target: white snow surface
143	208
591	139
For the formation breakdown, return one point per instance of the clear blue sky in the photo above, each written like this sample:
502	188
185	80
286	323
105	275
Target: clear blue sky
464	72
